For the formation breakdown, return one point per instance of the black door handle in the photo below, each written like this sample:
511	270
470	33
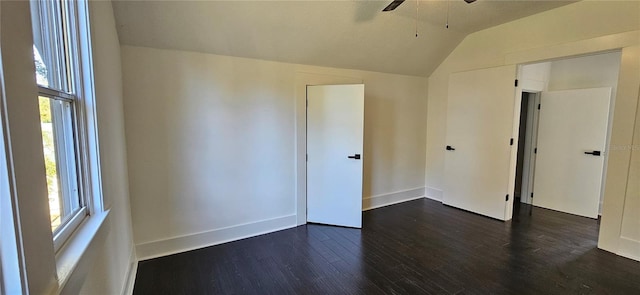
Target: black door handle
450	148
595	153
356	156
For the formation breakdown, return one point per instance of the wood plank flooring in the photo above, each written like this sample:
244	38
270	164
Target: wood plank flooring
417	247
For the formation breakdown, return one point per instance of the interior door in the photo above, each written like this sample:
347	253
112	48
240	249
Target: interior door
572	136
335	124
480	116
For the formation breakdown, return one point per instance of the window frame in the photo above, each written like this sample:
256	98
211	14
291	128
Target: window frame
77	89
71	221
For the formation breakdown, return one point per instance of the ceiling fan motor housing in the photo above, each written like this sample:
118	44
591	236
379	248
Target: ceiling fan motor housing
393	5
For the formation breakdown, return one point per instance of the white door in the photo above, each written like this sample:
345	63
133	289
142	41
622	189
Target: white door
480	114
335	123
572	137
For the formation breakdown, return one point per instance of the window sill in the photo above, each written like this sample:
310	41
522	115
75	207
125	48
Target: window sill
74	259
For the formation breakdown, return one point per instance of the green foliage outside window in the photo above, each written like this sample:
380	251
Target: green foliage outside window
48	145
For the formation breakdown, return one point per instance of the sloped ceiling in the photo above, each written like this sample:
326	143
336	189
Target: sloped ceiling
343	34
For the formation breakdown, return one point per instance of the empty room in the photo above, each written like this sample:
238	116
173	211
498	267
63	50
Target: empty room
319	147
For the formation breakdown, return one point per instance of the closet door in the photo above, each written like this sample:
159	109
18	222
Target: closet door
480	116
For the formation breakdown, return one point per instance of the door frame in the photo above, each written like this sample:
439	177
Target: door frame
302	80
532	134
537	89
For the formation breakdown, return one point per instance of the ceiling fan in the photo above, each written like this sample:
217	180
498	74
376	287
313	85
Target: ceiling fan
393	5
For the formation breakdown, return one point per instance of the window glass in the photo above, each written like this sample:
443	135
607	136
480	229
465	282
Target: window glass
50	50
59	156
56	65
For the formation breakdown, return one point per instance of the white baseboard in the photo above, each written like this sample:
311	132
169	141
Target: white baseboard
392	198
214	237
629	248
434	194
131	274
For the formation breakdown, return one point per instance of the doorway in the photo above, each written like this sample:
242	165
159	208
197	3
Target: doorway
563	133
525	162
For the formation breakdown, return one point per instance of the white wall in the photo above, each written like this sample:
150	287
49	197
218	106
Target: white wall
599	70
114	260
535	77
575	29
212	144
618	230
630	229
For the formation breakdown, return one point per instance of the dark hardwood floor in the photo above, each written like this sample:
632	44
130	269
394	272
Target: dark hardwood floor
417	247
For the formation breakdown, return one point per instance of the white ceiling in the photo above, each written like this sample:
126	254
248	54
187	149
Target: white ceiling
345	33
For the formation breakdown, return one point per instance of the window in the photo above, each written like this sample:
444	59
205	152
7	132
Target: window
58	74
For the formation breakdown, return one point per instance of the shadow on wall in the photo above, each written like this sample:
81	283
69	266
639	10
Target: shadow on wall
209	148
385	152
231	139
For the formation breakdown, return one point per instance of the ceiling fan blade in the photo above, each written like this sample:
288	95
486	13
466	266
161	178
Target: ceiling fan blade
393	5
469	1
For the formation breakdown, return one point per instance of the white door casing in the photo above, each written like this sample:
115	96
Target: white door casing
572	123
335	125
480	116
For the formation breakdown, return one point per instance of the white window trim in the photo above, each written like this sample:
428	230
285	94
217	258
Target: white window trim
12	276
93	179
74	260
67	229
74	257
77	84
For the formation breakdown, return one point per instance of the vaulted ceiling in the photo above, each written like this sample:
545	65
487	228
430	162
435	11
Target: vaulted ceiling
345	33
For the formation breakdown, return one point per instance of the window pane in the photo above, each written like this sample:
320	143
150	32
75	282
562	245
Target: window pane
49	44
56	118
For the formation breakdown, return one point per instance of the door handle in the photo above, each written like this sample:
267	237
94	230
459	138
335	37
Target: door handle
450	148
356	157
595	153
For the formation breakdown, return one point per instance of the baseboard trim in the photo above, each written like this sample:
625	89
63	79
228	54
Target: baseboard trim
392	198
629	248
433	194
180	244
131	274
